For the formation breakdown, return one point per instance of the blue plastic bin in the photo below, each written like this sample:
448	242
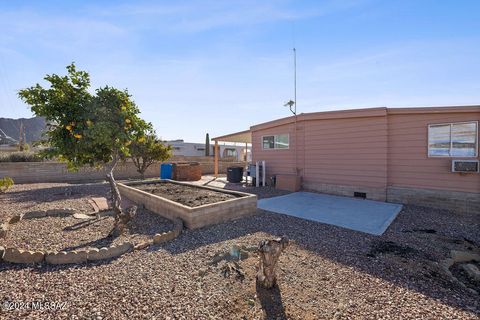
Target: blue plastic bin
166	171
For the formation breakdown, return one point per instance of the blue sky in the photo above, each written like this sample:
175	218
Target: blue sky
220	66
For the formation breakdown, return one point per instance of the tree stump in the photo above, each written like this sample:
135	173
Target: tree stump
122	219
269	251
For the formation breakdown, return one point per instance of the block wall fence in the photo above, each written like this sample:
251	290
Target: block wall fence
35	172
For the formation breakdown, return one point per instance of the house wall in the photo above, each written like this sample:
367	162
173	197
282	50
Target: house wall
278	161
346	155
415	178
341	155
408	161
381	153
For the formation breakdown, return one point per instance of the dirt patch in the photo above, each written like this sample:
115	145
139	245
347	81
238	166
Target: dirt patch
429	231
390	247
186	195
68	233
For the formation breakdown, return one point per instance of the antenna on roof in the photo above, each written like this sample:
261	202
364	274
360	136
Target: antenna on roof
292	104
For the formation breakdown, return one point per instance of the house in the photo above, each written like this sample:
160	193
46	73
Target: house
191	149
401	155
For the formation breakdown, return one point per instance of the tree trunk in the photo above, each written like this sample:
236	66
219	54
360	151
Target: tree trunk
269	251
121	218
143	169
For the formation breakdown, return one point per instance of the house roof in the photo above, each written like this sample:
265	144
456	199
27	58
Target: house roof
361	113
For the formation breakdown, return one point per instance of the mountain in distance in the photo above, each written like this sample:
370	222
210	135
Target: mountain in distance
10	129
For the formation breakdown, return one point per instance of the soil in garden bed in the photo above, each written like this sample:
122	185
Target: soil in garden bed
186	195
68	233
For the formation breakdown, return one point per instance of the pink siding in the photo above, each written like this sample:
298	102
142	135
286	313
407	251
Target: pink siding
372	148
339	151
349	152
408	163
278	161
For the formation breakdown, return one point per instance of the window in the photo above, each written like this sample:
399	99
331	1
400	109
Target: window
230	152
280	141
453	139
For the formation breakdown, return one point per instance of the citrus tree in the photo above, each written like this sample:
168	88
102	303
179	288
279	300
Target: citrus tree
148	150
84	128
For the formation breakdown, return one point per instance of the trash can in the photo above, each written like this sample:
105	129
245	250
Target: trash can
234	174
166	171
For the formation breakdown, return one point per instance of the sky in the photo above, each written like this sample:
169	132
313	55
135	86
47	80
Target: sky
217	66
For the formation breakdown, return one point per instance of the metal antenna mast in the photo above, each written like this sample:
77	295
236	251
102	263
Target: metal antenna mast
293	103
295	79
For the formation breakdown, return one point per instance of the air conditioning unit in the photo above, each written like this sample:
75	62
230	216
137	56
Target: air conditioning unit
465	166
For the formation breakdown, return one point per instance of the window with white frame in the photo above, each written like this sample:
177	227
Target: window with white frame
279	141
230	152
458	139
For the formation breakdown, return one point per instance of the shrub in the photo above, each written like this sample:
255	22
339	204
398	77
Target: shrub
21	157
5	184
149	150
22	147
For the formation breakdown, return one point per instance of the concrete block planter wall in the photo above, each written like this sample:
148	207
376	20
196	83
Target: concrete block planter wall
15	255
64	257
193	217
170	235
110	252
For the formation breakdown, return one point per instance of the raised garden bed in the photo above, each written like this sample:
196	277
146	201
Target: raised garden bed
186	194
197	206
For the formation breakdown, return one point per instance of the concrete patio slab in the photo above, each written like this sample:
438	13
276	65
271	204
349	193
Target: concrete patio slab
367	216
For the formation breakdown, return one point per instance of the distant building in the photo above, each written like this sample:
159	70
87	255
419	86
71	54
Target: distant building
191	149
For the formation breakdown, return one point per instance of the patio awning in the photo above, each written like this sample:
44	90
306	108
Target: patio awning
238	137
242	136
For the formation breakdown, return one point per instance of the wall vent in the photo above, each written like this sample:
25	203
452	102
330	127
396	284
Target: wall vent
465	166
362	195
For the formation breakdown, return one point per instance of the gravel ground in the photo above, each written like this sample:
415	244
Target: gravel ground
68	233
326	273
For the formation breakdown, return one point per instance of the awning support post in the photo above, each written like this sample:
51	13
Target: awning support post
215	165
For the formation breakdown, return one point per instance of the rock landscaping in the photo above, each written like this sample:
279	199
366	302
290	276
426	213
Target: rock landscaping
39	236
326	272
